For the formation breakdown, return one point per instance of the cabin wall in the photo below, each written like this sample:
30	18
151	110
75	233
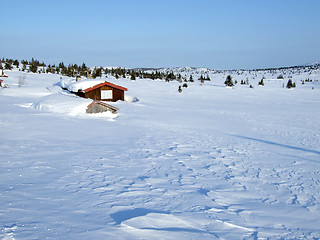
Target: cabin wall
117	94
94	94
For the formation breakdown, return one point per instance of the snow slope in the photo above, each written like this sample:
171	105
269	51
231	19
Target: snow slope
209	163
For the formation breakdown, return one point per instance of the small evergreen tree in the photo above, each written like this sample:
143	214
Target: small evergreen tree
16	62
133	75
99	72
153	76
261	83
170	77
61	65
229	81
48	70
33	67
290	84
8	66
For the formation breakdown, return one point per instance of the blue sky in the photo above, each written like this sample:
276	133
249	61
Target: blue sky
225	34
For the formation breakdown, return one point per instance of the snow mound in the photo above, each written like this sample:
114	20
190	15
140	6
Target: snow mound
68	105
158	221
157	226
64	83
130	99
62	104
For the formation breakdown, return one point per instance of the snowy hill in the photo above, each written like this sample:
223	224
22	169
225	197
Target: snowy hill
209	163
272	77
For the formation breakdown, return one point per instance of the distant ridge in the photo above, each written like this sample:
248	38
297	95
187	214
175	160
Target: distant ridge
204	69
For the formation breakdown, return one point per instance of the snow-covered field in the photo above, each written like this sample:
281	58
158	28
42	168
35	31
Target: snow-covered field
210	163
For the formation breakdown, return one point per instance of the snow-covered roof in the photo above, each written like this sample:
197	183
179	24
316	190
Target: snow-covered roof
76	86
86	85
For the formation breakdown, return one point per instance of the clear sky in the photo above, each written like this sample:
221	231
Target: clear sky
218	34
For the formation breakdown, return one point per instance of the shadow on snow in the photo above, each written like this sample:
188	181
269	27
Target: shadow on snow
279	144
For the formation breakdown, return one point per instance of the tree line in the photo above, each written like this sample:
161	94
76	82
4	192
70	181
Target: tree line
36	66
73	70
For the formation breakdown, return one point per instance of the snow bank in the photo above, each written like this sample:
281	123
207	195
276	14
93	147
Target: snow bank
68	105
130	99
64	83
62	104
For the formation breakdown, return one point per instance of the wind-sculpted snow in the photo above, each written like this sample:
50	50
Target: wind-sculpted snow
209	163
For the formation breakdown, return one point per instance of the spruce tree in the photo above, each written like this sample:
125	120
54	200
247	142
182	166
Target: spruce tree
261	83
16	62
153	76
33	67
8	66
229	81
290	84
133	75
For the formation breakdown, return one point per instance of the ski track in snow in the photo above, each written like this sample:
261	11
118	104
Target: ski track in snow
64	177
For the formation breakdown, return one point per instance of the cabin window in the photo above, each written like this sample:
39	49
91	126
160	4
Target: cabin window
106	94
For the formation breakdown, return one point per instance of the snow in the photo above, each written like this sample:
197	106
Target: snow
83	84
209	163
74	86
62	104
